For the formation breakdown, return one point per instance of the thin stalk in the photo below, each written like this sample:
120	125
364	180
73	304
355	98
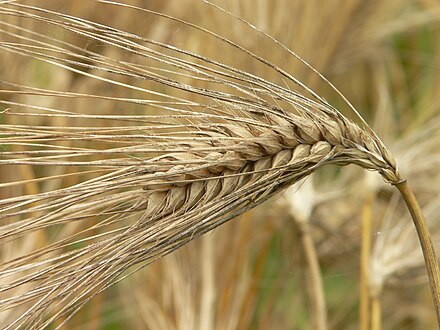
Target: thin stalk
318	305
431	262
376	313
364	301
208	293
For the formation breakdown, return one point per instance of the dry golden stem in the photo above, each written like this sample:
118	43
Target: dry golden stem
208	294
364	308
318	305
376	313
425	240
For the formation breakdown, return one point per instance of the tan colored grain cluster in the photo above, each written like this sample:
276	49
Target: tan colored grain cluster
209	143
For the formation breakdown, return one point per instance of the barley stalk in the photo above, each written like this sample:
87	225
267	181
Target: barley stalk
300	202
364	301
166	178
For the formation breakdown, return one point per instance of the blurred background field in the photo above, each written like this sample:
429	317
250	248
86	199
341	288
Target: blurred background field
252	273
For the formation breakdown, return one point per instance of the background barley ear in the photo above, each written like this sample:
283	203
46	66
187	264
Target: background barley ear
162	143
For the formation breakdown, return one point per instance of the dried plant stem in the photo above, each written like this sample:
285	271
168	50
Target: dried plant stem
364	301
376	313
425	240
208	286
317	298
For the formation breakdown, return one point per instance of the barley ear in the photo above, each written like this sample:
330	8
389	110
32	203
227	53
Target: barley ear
212	147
